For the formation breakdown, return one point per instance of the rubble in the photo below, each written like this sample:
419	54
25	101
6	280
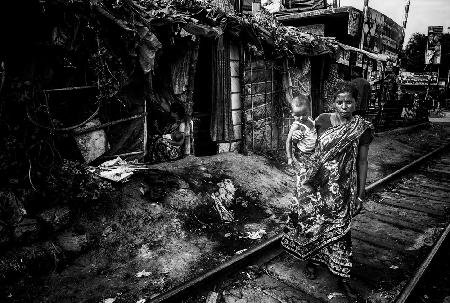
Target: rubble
27	230
117	170
12	210
212	297
71	242
5	236
56	218
223	198
29	260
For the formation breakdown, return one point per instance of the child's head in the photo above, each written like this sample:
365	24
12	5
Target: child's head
300	107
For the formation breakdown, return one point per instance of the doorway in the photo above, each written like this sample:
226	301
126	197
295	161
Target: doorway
204	94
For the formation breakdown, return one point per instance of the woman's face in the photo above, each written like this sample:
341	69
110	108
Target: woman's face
344	105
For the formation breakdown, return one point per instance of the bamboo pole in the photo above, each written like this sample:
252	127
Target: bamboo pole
70	89
104	125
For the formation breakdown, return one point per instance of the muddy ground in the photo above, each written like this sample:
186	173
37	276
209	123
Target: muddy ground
177	220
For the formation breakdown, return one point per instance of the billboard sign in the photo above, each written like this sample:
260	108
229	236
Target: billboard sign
381	34
433	52
354	22
343	57
359	59
409	78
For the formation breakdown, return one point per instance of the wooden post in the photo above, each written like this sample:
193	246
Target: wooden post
251	99
188	138
145	128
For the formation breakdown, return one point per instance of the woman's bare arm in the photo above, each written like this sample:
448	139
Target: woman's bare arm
362	166
178	140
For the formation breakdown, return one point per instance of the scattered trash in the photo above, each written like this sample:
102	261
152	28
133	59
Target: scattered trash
116	170
240	251
242	202
109	300
334	295
393	267
223	198
92	144
227	235
143	273
212	297
254	235
57	217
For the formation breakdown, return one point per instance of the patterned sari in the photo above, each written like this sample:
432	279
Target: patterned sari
321	227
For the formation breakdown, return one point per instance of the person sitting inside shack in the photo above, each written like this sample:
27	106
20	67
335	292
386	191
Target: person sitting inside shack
168	144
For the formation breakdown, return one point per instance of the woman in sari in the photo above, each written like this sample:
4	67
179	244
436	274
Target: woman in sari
335	178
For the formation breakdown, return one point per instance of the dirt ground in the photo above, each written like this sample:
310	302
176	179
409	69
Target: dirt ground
177	220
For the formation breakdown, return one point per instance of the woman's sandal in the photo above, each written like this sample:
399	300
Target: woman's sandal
310	271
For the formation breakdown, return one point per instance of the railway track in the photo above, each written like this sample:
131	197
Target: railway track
405	221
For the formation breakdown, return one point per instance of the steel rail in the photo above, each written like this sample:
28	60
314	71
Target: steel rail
404	295
238	262
409	288
229	266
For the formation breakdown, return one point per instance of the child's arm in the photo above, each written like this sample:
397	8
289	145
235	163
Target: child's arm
294	127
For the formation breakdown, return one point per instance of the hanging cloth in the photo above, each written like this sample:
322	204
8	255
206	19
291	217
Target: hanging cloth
221	123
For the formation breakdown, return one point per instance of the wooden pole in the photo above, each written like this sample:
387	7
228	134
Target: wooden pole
365	10
145	143
188	138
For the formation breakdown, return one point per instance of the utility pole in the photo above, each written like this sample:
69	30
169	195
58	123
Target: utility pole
365	11
405	20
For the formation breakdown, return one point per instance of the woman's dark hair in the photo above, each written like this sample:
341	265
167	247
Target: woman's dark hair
178	108
346	87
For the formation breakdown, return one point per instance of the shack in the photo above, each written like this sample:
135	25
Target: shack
99	78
